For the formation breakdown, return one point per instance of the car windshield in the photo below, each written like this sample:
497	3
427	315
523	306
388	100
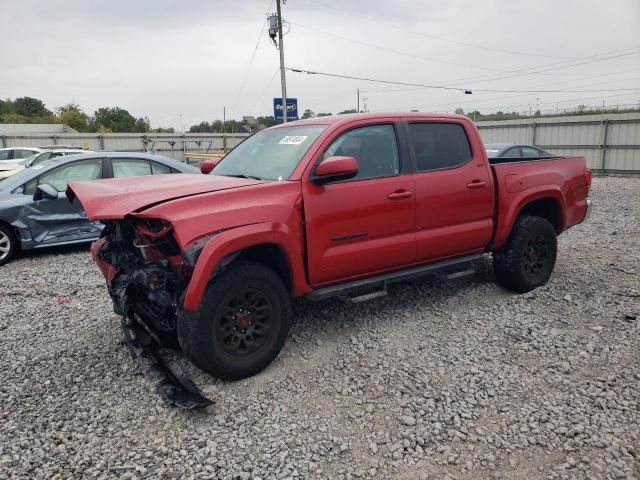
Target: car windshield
271	154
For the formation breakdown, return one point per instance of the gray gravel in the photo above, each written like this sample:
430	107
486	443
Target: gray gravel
446	380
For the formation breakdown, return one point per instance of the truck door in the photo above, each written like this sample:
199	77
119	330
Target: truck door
454	191
366	224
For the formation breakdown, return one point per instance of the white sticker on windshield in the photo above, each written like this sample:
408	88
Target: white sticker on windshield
293	139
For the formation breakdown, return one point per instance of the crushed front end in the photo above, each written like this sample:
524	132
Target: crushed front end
146	274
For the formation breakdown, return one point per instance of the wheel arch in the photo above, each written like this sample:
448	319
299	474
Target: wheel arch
547	202
269	244
14	230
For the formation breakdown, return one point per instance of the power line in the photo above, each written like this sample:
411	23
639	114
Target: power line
264	90
443	87
516	73
253	56
391	90
448	40
511	106
559	67
397	52
310	72
554	66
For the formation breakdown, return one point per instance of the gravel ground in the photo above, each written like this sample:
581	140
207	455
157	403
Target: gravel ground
452	380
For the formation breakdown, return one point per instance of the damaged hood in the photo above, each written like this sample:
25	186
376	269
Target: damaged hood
117	197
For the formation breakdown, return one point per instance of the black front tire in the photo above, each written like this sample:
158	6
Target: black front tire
527	259
8	244
241	325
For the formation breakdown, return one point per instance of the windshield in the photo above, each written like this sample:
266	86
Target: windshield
271	154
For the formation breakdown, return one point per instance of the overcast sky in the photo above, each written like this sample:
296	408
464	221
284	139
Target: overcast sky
163	58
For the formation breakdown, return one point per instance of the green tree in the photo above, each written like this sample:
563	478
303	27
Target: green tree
114	119
142	125
13	118
267	121
351	110
308	114
75	119
324	114
30	107
71	114
6	106
459	111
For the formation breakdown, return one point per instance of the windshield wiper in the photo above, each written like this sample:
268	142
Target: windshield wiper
240	175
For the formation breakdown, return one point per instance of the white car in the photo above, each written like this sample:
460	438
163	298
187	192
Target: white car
11	157
37	158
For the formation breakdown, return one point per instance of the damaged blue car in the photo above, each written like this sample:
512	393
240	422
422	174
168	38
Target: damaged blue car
35	212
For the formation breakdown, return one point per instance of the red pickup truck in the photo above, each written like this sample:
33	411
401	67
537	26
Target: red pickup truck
339	205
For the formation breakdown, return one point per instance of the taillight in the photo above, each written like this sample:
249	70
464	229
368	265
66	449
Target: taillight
587	176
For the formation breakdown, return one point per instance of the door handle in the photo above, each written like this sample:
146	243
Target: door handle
476	184
399	195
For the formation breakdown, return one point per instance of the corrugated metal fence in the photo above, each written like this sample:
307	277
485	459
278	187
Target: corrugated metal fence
170	145
610	142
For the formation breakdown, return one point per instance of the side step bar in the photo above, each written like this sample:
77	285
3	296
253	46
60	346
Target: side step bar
381	281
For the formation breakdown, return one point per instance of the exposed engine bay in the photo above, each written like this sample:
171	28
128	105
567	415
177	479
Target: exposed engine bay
146	275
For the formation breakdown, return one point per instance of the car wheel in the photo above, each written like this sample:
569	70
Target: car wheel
241	325
527	259
8	244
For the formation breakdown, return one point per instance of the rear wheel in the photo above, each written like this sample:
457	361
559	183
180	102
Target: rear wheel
241	325
529	255
8	244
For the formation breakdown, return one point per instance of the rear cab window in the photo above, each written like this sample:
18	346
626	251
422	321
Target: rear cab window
439	146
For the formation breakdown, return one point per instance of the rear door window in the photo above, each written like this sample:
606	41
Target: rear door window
130	167
159	169
5	154
439	146
531	152
513	153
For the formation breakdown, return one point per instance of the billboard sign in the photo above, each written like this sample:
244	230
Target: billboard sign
292	109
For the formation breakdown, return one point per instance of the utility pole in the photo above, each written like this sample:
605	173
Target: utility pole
358	101
224	129
283	80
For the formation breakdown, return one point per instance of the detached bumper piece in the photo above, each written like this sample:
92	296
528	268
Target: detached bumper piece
175	388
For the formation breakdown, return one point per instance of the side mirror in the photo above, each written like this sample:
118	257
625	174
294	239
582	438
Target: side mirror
209	164
46	191
333	169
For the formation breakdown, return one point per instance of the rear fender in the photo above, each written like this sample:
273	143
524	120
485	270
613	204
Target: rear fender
237	239
515	205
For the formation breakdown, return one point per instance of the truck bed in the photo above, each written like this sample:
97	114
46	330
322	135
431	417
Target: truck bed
521	181
500	160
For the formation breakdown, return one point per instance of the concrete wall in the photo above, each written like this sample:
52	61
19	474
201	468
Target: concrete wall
610	142
25	128
167	144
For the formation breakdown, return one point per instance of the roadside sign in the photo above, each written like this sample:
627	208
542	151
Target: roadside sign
292	109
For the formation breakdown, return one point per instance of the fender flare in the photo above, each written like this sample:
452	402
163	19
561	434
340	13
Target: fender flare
239	238
519	202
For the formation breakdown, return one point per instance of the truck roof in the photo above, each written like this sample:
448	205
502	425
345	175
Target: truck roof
350	117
